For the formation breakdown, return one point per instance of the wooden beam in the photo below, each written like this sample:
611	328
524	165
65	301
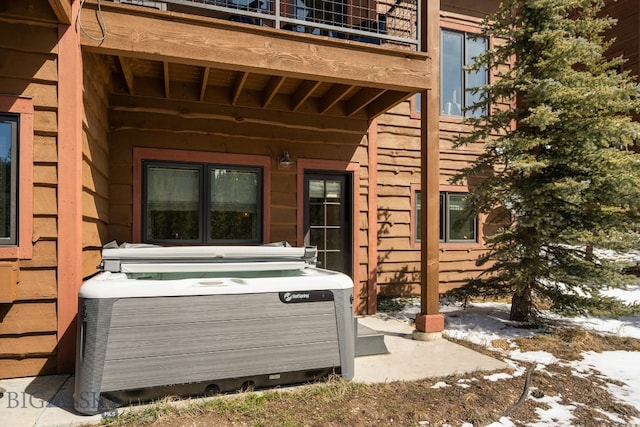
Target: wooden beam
429	320
274	85
127	71
167	83
62	10
383	103
202	41
304	91
333	96
134	108
361	99
70	220
236	90
205	80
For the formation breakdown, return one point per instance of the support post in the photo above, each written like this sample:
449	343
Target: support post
430	323
69	189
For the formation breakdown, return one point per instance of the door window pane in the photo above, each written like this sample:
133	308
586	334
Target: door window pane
334	261
316	235
316	214
316	190
333	190
334	213
173	203
334	238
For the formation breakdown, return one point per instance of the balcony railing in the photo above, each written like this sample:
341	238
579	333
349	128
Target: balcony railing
382	22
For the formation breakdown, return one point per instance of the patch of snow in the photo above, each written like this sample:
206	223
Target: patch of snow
541	357
502	422
440	384
557	414
498	376
623	366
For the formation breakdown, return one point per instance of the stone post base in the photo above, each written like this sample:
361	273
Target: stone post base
429	327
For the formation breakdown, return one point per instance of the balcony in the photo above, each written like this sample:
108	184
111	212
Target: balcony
389	22
339	58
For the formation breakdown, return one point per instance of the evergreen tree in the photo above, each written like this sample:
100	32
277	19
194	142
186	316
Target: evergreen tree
557	157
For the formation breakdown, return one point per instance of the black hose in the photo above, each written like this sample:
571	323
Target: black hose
525	392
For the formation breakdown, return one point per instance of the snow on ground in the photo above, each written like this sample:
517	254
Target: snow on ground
488	323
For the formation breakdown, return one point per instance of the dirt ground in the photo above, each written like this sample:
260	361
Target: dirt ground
469	398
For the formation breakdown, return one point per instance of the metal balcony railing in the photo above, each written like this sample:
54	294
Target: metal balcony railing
381	22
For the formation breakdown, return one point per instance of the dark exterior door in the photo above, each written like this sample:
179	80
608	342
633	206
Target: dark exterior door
328	219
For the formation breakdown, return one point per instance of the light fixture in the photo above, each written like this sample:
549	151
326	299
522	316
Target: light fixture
285	161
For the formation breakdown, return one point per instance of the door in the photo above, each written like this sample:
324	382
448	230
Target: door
328	219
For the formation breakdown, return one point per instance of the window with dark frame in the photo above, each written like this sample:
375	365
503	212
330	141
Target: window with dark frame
200	203
8	179
459	49
454	227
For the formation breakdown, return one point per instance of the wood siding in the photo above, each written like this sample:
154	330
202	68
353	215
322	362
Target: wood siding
626	32
398	175
398	168
29	69
95	162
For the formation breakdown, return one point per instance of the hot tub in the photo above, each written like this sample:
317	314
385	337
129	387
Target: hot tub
198	320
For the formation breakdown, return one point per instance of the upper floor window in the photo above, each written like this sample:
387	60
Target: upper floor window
8	179
200	203
458	49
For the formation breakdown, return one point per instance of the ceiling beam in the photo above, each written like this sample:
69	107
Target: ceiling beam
167	83
127	71
274	85
361	99
62	10
304	91
236	90
333	96
385	102
204	81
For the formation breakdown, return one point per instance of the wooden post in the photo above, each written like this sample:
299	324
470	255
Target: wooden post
69	189
430	323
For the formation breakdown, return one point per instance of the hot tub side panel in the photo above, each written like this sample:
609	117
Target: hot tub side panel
134	343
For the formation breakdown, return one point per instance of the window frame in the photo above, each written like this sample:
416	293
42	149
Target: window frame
465	31
230	161
22	108
444	219
204	202
13	120
445	215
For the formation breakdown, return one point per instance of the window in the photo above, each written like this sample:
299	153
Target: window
8	178
457	51
16	177
416	105
200	203
454	227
